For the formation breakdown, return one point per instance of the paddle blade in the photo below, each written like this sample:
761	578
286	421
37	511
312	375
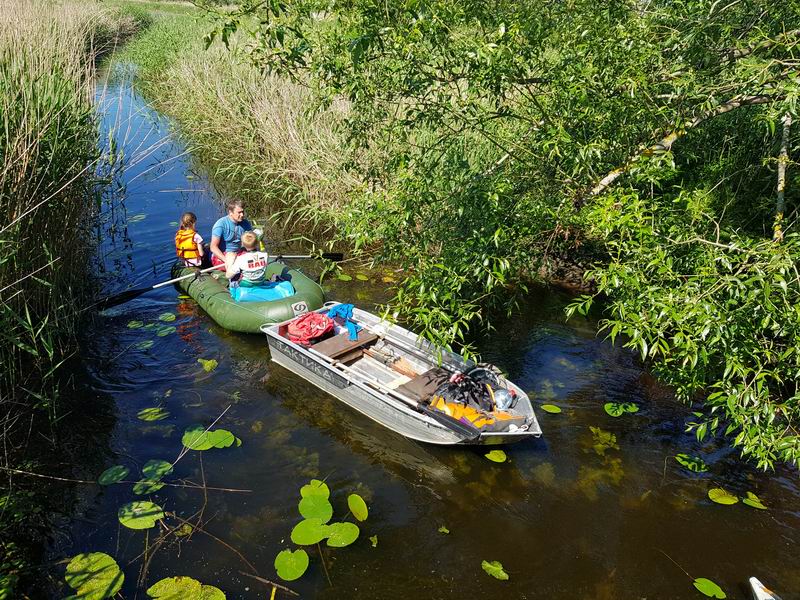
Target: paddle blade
121	298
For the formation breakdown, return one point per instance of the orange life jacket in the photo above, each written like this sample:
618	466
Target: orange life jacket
185	246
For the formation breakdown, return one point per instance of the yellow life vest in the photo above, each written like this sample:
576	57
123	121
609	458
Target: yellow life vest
185	246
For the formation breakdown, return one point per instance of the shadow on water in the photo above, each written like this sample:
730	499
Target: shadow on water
588	511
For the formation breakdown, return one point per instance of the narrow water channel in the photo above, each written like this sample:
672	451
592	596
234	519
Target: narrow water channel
577	514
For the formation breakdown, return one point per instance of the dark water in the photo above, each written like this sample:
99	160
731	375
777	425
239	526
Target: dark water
568	518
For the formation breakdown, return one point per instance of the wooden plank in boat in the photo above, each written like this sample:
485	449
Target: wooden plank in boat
422	386
338	345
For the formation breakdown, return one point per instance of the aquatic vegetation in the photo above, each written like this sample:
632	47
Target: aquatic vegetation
544	474
94	576
144	345
162	331
140	514
551	408
602	441
362	277
342	534
197	438
135	324
310	531
753	501
291	565
167	317
113	475
208	364
358	507
709	588
495	569
156	413
443	529
617	409
692	463
374	540
173	588
497	456
344	277
136	218
721	496
315	507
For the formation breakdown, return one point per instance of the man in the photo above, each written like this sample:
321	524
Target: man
226	235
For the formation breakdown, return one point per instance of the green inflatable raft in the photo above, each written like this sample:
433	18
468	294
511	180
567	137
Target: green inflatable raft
210	291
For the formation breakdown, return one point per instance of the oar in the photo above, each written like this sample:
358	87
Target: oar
128	295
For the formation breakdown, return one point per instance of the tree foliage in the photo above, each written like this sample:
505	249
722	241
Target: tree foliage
499	137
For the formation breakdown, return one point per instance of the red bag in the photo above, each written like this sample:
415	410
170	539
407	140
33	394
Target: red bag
307	329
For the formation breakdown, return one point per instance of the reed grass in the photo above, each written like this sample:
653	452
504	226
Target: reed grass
48	154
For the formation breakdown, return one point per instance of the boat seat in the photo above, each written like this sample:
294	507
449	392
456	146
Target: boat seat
422	387
339	345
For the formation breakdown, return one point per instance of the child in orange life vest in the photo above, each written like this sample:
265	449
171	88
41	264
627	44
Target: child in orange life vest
252	264
188	243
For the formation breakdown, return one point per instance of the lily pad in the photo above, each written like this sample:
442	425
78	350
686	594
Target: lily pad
617	409
362	277
309	532
342	534
721	496
184	530
222	438
167	317
140	514
156	468
374	540
754	501
94	576
113	475
208	364
344	277
137	218
147	486
173	223
709	588
444	529
162	331
145	345
315	488
135	324
291	565
495	569
551	408
315	507
156	413
358	507
176	588
692	463
197	438
388	279
497	456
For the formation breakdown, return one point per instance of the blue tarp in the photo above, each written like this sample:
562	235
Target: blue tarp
262	293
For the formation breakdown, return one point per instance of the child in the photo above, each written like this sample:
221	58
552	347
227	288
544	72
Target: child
252	264
188	243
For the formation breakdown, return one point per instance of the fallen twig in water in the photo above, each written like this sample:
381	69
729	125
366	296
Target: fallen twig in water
272	583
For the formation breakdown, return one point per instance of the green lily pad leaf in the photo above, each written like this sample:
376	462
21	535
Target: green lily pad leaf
362	277
497	456
444	529
137	218
720	496
162	331
140	514
709	588
94	576
221	438
144	345
495	569
291	565
344	277
342	534
151	326
315	507
184	530
156	413
147	486
692	463
238	442
754	501
178	588
196	438
135	324
208	364
173	223
551	408
167	317
112	475
156	468
358	507
616	409
309	532
374	540
315	488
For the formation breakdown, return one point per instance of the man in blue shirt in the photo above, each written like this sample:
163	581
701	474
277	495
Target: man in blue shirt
226	235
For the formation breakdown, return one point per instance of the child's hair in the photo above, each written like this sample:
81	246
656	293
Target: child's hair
188	219
249	240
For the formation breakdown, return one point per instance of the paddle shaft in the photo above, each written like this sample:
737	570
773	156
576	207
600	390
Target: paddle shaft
467	431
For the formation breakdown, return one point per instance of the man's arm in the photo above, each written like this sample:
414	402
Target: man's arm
214	247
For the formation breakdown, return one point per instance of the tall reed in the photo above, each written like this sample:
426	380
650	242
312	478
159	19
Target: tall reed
48	153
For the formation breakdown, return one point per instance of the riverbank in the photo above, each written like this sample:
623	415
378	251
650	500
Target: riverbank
49	179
